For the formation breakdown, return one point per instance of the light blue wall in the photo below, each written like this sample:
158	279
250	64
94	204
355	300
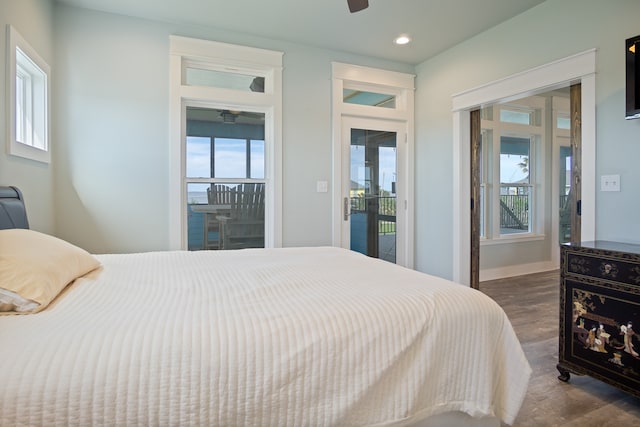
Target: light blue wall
34	21
112	94
553	30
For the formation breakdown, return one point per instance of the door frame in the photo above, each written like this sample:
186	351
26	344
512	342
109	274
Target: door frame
401	85
578	68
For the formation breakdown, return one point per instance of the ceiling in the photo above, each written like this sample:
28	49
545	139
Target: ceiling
433	25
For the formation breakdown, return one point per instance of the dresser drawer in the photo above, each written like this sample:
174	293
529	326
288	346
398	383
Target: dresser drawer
601	264
601	267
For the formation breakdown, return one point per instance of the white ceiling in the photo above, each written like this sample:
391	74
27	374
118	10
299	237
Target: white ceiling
434	25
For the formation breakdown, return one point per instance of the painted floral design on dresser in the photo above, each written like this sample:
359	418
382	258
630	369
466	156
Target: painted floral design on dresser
609	270
579	265
603	330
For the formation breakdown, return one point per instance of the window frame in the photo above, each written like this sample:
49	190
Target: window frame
36	96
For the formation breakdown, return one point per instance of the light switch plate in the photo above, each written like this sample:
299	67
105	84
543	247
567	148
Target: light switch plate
322	186
610	183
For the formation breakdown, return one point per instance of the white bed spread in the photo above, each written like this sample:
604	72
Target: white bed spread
275	337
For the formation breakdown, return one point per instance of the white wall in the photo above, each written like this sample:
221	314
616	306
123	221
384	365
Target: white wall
112	84
34	21
553	30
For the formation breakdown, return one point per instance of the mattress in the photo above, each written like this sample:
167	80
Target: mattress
259	337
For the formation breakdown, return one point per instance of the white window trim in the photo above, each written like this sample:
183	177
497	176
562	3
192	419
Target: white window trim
348	76
38	99
580	67
236	59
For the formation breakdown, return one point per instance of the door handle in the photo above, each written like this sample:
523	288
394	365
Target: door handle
345	209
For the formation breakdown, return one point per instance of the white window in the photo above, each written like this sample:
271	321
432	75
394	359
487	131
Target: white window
28	100
226	109
511	170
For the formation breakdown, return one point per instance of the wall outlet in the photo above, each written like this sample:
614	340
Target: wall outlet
610	183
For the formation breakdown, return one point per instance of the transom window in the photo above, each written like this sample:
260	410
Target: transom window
373	99
196	74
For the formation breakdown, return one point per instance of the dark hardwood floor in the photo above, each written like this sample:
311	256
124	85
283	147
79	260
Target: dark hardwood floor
531	303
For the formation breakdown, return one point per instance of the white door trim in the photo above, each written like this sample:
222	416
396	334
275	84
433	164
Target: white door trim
573	69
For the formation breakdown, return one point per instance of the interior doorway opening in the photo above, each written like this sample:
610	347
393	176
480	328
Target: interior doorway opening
578	68
523	186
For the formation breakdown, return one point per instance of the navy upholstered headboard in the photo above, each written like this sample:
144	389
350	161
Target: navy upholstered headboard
12	211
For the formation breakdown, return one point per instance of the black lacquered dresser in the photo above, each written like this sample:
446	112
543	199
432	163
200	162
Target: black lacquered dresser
600	313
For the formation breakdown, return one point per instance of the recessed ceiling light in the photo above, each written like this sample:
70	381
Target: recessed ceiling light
403	39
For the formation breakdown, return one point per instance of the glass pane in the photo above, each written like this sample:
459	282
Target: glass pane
212	78
230	158
225	215
563	122
224	144
351	96
196	197
514	209
257	159
512	116
373	193
514	160
514	189
198	157
20	108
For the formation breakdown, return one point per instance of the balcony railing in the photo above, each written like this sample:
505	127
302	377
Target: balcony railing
514	212
386	210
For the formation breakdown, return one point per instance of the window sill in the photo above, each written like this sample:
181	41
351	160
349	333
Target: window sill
508	239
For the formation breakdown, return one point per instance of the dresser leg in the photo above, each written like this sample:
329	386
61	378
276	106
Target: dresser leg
564	373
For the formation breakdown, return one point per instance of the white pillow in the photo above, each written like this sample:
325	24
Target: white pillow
10	301
36	267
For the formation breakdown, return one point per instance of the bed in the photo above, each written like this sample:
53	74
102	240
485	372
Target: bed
254	337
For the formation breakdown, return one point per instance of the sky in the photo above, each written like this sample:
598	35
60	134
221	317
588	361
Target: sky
230	158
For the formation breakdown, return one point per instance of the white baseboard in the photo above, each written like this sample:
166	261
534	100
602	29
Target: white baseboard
517	270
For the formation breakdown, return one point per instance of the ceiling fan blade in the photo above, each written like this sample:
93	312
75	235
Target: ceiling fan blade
357	5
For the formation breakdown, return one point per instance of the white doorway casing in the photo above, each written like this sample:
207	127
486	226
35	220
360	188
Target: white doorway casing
579	68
